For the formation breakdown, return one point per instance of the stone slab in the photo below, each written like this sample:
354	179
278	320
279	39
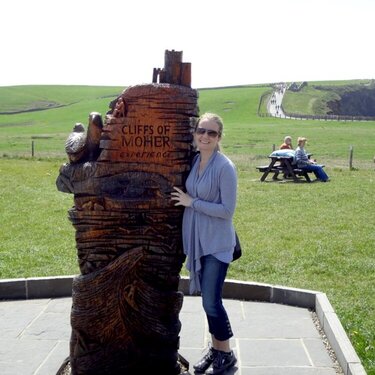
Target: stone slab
23	356
340	342
317	352
16	317
241	290
293	296
286	371
273	352
54	359
47	287
356	369
274	322
13	289
322	306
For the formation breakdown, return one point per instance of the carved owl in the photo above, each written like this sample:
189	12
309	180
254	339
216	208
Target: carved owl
81	146
75	144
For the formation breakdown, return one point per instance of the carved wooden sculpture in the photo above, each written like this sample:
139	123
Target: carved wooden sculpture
126	304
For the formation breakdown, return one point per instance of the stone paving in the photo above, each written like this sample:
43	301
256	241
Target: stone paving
270	338
277	330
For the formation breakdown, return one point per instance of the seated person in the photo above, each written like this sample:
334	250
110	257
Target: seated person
287	145
303	161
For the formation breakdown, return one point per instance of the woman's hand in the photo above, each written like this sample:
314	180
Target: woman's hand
181	198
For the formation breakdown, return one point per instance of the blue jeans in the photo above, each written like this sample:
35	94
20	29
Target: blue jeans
318	171
213	273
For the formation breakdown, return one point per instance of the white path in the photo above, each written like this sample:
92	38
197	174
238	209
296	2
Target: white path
274	104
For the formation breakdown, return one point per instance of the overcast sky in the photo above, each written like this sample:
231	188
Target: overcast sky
232	42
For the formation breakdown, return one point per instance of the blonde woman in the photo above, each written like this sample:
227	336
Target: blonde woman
303	161
209	236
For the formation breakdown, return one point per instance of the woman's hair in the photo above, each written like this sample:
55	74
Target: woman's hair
212	117
217	119
301	139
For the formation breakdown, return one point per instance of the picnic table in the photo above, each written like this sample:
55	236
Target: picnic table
283	164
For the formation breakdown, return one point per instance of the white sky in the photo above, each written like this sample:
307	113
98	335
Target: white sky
119	42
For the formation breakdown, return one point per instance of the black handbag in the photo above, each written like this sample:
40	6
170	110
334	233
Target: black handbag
237	249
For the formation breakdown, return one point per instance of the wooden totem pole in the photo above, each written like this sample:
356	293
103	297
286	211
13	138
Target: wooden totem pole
125	302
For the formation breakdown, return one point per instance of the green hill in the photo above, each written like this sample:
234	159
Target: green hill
342	98
60	107
18	99
46	113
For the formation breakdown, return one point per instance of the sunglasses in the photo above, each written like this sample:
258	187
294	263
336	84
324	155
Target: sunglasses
210	133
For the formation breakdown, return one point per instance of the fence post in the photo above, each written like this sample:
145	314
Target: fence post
350	157
273	147
32	149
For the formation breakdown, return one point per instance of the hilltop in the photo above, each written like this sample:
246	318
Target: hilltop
342	98
21	99
339	98
43	116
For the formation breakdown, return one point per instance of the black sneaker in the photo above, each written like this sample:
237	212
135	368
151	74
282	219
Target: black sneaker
206	361
222	362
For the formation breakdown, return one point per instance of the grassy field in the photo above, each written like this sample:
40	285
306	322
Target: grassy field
314	236
47	128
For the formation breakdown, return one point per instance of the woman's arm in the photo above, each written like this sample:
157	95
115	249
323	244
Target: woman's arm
228	196
301	157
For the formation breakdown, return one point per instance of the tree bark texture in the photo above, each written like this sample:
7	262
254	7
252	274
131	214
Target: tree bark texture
126	303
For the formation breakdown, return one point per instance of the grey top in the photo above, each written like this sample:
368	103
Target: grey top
207	226
301	157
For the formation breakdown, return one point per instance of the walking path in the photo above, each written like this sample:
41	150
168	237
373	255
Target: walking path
270	338
274	108
274	104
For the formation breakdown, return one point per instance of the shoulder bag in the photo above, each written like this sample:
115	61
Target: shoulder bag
237	249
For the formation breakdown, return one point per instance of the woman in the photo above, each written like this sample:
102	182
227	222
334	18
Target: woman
303	161
209	236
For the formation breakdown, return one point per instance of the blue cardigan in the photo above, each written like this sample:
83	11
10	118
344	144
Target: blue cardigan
207	226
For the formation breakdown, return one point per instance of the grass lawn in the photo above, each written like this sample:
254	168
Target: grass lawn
314	236
36	237
308	101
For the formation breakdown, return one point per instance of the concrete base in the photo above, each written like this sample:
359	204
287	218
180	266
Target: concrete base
61	286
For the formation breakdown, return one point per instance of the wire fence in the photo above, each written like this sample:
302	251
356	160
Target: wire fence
35	147
299	116
262	106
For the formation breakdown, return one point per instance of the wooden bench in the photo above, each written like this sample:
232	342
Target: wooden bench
276	170
263	168
285	166
302	173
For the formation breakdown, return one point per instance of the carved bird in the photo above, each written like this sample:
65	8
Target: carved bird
94	133
75	145
81	146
